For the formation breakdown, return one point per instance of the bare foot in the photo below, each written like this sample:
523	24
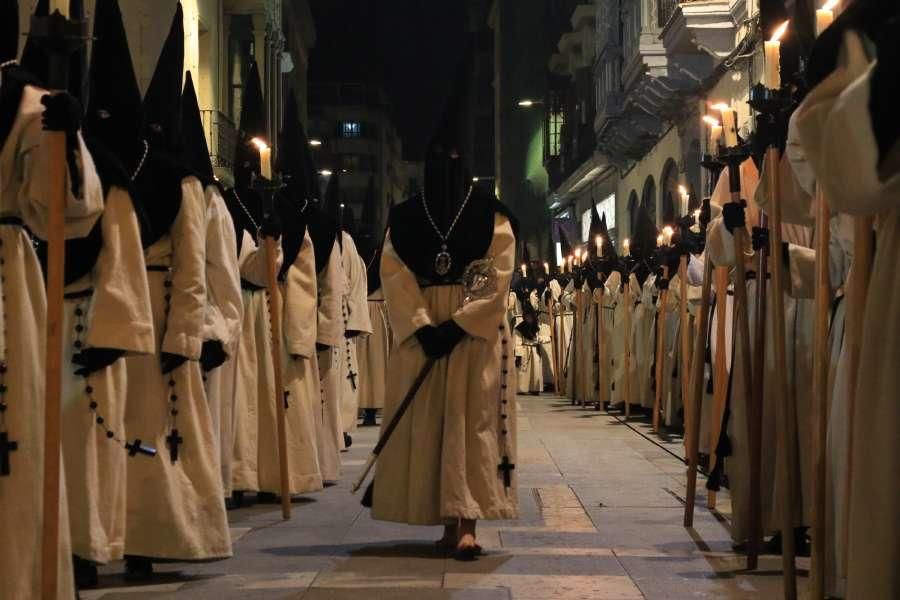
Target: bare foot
467	548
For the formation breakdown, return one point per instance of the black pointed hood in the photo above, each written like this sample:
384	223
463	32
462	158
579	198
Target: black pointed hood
37	63
33	57
9	30
609	249
252	123
643	242
113	111
565	246
196	152
161	109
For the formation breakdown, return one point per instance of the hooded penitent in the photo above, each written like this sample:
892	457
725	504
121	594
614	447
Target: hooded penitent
447	187
295	162
13	78
194	148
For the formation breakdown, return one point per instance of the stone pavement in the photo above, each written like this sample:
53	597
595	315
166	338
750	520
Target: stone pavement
601	513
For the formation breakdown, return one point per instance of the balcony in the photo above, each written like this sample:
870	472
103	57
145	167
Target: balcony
221	138
698	35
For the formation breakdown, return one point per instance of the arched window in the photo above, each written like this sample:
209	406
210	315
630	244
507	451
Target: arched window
648	197
632	211
671	197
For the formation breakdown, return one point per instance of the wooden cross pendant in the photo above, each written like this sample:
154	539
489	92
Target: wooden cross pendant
507	468
173	440
134	448
6	447
352	377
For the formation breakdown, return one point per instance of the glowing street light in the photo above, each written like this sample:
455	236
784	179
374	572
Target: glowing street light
325	173
315	143
528	102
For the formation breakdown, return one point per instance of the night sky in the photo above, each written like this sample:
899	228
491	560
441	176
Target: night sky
411	46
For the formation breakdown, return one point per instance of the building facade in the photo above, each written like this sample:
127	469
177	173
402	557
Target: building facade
353	136
627	89
221	39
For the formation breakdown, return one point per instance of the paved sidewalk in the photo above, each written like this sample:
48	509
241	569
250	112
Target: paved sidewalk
601	513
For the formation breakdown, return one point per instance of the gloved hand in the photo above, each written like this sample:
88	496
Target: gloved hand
62	112
430	340
212	355
733	215
92	360
169	362
272	226
450	334
760	238
351	333
518	362
662	283
322	347
705	213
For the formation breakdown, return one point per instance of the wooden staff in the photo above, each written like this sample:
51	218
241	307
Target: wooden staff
786	414
270	246
754	414
628	333
857	289
574	341
696	391
683	327
600	352
720	373
553	350
821	363
660	350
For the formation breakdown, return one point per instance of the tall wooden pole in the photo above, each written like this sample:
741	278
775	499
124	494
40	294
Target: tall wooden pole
685	338
660	350
720	372
696	391
821	363
858	286
628	333
787	416
601	354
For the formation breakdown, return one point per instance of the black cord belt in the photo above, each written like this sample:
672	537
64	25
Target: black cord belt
79	294
251	287
15	221
158	268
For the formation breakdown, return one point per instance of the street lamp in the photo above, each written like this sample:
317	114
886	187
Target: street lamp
315	142
528	103
325	173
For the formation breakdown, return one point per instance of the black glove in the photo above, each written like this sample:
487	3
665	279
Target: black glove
321	347
733	215
272	226
212	355
662	283
518	362
169	362
705	213
351	333
760	238
685	222
430	340
786	255
450	334
62	112
92	360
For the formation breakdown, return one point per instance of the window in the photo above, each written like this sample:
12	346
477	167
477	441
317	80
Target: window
350	129
555	120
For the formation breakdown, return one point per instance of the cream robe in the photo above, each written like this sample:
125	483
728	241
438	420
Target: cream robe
224	316
355	312
301	377
530	372
442	461
255	373
612	323
115	313
671	382
330	333
586	368
618	396
562	319
849	173
644	336
23	305
373	351
175	509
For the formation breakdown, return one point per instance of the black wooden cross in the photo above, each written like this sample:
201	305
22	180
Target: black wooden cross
352	377
6	446
134	448
507	468
173	440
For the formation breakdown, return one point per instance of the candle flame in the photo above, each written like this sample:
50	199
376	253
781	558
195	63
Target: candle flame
578	253
720	106
626	243
599	240
668	231
259	143
711	121
682	190
779	32
830	5
547	267
697	214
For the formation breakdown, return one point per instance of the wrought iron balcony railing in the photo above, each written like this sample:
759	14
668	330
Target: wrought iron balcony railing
221	137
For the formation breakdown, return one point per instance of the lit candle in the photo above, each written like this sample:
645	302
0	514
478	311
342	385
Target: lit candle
825	16
685	199
773	58
524	270
659	240
668	232
61	5
578	256
265	158
570	260
696	226
715	132
626	245
547	268
599	242
729	124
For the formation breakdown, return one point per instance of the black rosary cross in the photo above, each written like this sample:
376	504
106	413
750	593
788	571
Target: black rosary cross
6	447
134	448
173	440
352	377
507	468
